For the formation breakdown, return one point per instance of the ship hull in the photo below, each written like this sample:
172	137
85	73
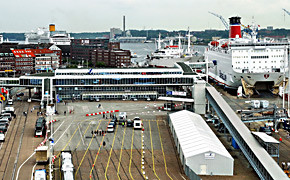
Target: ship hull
223	73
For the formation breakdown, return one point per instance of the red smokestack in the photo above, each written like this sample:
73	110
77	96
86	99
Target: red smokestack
235	27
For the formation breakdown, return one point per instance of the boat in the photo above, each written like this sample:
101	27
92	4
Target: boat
168	55
255	64
168	51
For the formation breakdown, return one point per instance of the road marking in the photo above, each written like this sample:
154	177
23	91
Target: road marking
82	136
131	154
163	152
124	132
86	152
111	152
152	152
64	149
142	149
101	143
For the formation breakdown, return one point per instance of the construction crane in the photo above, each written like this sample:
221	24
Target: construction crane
286	11
222	19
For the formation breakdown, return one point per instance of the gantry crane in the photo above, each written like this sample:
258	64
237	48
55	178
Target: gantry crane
222	19
286	11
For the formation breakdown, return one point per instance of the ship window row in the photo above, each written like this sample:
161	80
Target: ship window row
259	57
120	73
240	56
120	81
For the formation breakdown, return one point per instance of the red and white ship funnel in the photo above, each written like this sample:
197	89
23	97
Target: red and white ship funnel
235	27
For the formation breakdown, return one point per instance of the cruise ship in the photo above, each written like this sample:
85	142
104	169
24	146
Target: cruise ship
255	64
43	35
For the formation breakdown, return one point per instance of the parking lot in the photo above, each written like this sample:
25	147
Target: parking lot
124	154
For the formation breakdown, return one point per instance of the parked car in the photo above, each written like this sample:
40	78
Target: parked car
137	123
20	94
130	123
2	137
110	128
112	123
3	128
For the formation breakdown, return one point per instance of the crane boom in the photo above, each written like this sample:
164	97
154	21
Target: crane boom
286	11
222	19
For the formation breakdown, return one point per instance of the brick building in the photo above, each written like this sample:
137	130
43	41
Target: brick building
111	58
24	61
7	60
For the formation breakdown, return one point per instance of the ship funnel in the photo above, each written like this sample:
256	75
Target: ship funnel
52	27
235	27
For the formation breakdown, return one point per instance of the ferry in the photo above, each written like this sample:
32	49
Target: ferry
247	61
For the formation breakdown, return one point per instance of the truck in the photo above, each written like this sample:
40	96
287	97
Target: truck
40	174
42	154
122	117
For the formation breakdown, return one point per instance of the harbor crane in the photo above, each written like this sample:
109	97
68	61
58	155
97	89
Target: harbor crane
286	11
222	19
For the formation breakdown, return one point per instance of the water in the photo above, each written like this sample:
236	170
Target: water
144	49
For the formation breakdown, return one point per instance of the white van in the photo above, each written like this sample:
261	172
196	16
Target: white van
40	174
2	137
137	123
10	102
123	115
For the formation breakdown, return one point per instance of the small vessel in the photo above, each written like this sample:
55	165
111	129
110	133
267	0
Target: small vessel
170	54
168	51
256	64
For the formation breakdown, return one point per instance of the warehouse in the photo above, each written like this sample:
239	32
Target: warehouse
198	147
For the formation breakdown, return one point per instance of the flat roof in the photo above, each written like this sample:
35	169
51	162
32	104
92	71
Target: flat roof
176	99
265	137
92	93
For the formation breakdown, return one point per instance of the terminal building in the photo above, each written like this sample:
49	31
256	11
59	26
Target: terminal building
111	83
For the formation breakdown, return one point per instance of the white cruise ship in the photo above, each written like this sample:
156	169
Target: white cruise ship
255	64
43	35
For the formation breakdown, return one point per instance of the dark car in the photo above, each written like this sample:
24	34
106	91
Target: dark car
3	128
130	123
20	94
114	119
4	124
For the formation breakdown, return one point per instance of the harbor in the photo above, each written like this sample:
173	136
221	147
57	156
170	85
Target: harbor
146	104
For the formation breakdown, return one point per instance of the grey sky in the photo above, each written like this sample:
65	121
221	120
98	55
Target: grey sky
100	15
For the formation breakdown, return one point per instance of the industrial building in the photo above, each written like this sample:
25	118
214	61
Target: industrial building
198	147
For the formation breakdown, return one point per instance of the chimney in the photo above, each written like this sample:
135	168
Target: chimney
235	27
124	24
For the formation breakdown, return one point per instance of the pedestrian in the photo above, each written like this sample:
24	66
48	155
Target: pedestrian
70	111
104	143
64	112
100	132
31	110
97	132
92	132
123	124
283	165
104	116
37	113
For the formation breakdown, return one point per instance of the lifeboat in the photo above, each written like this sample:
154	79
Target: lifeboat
225	45
214	43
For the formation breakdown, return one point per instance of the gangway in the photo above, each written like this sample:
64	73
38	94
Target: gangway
264	165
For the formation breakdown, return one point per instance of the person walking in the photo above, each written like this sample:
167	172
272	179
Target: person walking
104	143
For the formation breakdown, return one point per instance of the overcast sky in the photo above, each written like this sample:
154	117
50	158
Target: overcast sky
101	15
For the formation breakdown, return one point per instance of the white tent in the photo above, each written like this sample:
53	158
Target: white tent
198	146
